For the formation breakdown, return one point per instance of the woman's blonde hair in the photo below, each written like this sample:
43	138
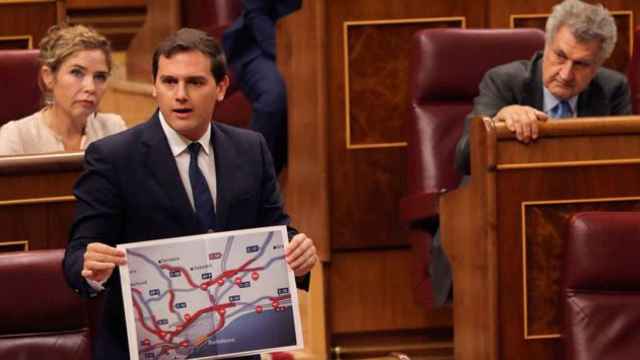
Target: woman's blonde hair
60	42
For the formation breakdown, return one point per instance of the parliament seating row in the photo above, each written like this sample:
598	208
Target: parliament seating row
439	104
41	316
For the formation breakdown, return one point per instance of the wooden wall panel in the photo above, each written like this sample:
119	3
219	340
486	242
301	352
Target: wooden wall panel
543	252
372	291
366	184
36	200
101	4
376	83
28	19
118	20
571	185
501	10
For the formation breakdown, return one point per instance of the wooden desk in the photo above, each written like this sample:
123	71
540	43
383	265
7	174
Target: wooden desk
36	201
504	231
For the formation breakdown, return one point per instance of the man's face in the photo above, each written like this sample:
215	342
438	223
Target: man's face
187	93
569	65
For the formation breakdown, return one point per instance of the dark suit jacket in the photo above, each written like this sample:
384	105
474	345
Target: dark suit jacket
520	82
131	191
254	31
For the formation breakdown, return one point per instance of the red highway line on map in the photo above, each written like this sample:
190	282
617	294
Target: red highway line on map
199	313
155	331
225	274
182	270
172	297
231	273
278	298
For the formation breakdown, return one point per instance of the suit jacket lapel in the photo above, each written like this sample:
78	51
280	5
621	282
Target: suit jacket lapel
592	102
532	94
162	166
225	175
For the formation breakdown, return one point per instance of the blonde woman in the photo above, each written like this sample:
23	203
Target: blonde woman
75	65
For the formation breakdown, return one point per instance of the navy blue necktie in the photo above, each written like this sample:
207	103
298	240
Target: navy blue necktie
562	110
202	200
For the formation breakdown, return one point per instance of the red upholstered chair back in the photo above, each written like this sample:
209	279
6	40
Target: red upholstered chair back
602	286
634	73
41	316
445	70
18	84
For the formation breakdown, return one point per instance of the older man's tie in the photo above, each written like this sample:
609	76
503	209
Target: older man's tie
562	110
202	200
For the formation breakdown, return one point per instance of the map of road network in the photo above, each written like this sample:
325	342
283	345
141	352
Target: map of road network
210	296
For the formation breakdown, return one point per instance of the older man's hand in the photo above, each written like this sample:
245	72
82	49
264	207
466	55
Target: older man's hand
523	120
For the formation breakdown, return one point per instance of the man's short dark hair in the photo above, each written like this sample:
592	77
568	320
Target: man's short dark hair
187	39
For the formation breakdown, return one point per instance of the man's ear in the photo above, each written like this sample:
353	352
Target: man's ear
222	87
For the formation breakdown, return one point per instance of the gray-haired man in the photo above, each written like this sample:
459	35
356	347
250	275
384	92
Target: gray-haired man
566	80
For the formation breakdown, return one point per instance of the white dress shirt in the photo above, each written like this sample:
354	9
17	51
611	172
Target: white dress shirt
206	160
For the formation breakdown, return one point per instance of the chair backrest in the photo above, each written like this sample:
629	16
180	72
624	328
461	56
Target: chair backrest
602	286
18	84
634	73
41	316
446	68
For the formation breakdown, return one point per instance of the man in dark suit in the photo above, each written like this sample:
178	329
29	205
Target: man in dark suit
250	44
177	174
579	38
566	80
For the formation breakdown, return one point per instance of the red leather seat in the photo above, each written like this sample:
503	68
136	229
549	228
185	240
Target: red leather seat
19	84
446	68
633	73
41	316
602	286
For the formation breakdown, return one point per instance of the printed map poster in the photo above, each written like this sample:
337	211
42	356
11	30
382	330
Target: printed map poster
210	296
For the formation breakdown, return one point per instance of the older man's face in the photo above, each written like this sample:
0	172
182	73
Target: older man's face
568	65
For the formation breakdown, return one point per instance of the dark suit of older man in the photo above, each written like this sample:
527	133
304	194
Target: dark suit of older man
520	83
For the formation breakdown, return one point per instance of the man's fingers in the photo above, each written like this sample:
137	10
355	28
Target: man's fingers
303	265
541	116
105	253
87	273
97	265
105	249
98	257
297	246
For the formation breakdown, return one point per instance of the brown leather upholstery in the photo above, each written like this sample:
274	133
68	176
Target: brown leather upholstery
602	286
18	84
634	74
41	317
214	16
446	68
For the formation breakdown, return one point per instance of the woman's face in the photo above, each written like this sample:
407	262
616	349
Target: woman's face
79	83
